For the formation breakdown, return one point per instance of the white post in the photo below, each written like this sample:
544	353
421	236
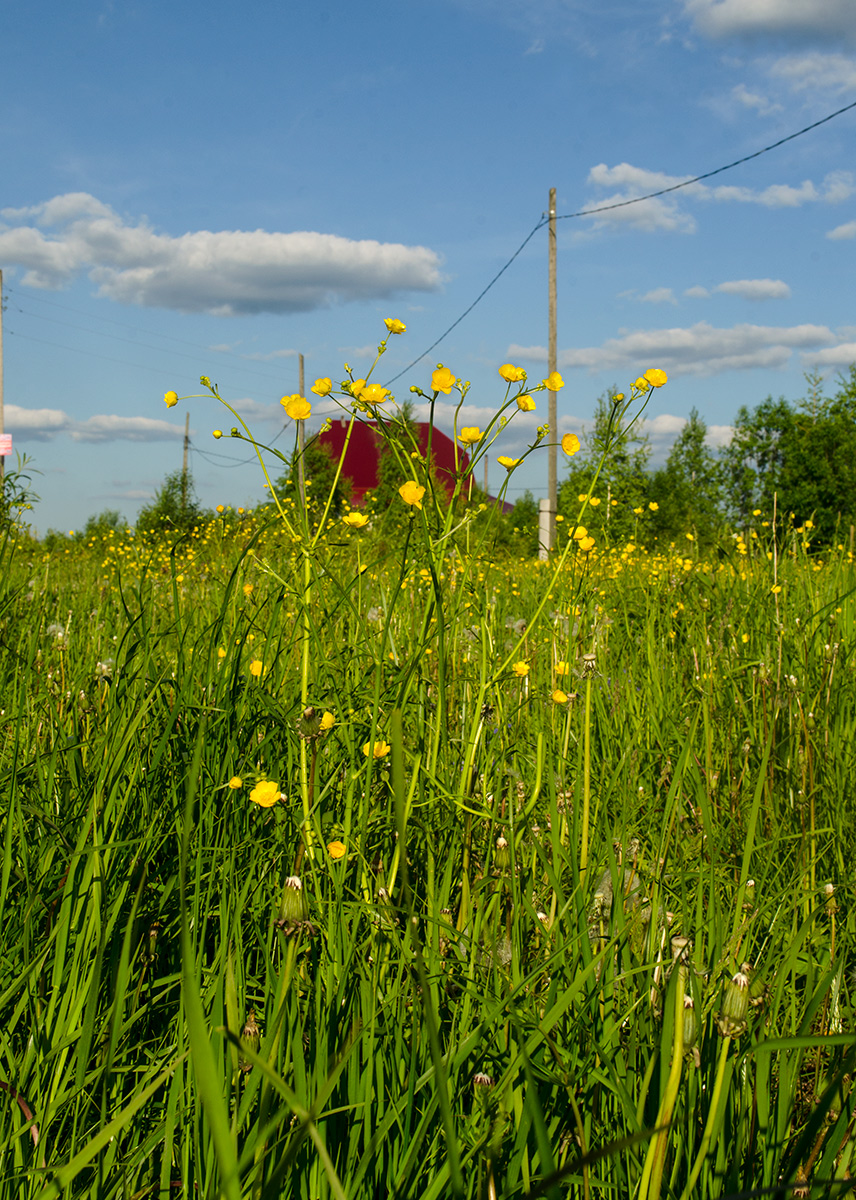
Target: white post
546	524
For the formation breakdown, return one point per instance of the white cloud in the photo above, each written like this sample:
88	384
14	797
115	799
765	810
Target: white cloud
790	18
224	273
34	424
110	428
41	424
701	349
816	71
843	355
660	295
755	289
663	213
752	100
697	293
843	232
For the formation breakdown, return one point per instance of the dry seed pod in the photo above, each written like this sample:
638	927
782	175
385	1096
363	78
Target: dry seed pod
735	1006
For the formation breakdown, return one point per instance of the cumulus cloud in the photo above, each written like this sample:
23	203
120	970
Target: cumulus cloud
701	349
223	273
663	213
755	289
660	295
785	18
752	100
843	232
697	293
42	424
842	355
816	71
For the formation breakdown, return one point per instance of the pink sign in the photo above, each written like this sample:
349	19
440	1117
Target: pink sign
5	443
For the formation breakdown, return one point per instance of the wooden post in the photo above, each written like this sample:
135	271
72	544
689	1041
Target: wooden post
552	419
184	463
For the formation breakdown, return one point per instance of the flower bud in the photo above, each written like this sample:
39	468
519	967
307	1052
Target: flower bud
501	858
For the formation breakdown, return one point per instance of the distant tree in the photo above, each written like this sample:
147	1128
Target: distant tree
688	489
803	455
522	522
622	484
104	523
174	509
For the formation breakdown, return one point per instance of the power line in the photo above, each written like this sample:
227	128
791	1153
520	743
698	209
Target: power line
588	212
134	329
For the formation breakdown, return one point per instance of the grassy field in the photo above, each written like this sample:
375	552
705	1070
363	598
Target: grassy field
332	868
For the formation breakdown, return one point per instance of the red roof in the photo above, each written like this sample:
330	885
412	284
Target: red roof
360	465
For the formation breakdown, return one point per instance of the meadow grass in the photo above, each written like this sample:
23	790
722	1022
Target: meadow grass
557	900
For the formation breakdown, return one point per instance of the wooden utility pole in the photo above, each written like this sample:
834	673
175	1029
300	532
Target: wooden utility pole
184	462
552	448
301	442
2	427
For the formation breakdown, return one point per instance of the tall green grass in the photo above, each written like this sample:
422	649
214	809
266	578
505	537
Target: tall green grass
487	993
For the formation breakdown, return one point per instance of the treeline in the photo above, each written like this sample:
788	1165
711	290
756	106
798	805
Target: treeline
792	460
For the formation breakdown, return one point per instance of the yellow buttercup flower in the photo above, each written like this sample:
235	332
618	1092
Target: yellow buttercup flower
554	381
586	544
594	501
235	782
570	443
525	403
327	722
469	435
776	588
654	506
266	793
641	384
376	749
562	668
512	374
248	589
520	669
412	493
656	377
579	533
559	697
394	326
508	463
336	849
322	387
443	380
374	394
297	407
256	667
170	399
356	520
217	433
357	386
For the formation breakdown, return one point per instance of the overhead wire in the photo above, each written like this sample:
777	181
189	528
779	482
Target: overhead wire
589	212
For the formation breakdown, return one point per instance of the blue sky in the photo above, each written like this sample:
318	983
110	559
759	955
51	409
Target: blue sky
212	189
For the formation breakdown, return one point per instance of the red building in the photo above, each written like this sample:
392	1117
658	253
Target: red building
360	465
